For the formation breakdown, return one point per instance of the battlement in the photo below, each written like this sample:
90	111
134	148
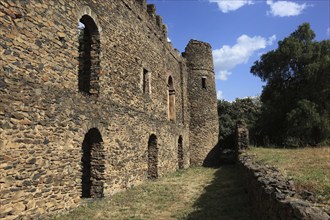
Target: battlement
148	12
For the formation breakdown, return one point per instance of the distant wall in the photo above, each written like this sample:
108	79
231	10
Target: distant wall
273	197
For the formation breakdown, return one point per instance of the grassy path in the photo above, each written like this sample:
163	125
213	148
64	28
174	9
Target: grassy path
195	193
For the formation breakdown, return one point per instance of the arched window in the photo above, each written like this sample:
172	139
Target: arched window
180	153
171	99
152	172
89	56
93	161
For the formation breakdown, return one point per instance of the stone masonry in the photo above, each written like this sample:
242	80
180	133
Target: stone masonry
94	100
273	196
242	135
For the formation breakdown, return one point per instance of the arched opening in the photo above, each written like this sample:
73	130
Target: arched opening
93	165
171	99
89	56
180	153
152	157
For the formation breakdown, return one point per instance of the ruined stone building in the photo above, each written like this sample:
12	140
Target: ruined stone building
86	112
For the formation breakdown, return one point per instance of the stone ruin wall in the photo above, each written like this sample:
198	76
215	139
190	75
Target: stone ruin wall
241	135
241	138
45	120
273	196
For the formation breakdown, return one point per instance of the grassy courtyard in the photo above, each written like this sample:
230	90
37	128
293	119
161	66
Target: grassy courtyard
195	193
309	167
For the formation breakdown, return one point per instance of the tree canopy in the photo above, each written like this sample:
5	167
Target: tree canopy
247	109
296	97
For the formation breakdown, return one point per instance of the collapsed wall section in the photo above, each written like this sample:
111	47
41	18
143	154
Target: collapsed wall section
62	117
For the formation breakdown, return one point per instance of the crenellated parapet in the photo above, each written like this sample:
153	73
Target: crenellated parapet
147	12
151	9
157	20
143	3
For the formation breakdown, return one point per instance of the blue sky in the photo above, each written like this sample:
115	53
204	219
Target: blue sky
239	31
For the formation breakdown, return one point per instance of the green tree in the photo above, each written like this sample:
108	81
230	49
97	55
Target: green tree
306	124
297	80
247	109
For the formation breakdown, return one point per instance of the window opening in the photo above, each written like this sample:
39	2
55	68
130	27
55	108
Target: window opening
171	97
89	56
204	82
145	81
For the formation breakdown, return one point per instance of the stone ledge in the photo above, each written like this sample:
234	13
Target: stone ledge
273	196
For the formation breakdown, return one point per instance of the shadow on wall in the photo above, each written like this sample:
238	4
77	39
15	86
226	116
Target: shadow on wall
225	198
213	157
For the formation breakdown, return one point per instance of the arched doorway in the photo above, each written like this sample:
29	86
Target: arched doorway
171	99
93	165
152	172
180	153
89	56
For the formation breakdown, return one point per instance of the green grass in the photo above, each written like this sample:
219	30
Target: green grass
195	193
309	167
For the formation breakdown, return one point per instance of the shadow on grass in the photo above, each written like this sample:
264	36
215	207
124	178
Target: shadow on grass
224	199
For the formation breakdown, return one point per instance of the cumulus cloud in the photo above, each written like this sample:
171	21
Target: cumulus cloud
228	57
231	5
219	94
285	8
222	74
271	40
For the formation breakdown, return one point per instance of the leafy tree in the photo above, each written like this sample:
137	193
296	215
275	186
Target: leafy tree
247	109
306	124
297	83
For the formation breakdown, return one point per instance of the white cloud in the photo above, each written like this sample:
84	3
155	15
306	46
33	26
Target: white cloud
222	75
231	5
285	8
168	39
228	57
271	40
219	94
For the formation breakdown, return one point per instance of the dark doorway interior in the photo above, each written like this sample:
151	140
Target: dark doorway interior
93	161
180	153
152	157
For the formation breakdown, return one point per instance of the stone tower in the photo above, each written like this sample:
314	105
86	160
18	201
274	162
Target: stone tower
204	124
